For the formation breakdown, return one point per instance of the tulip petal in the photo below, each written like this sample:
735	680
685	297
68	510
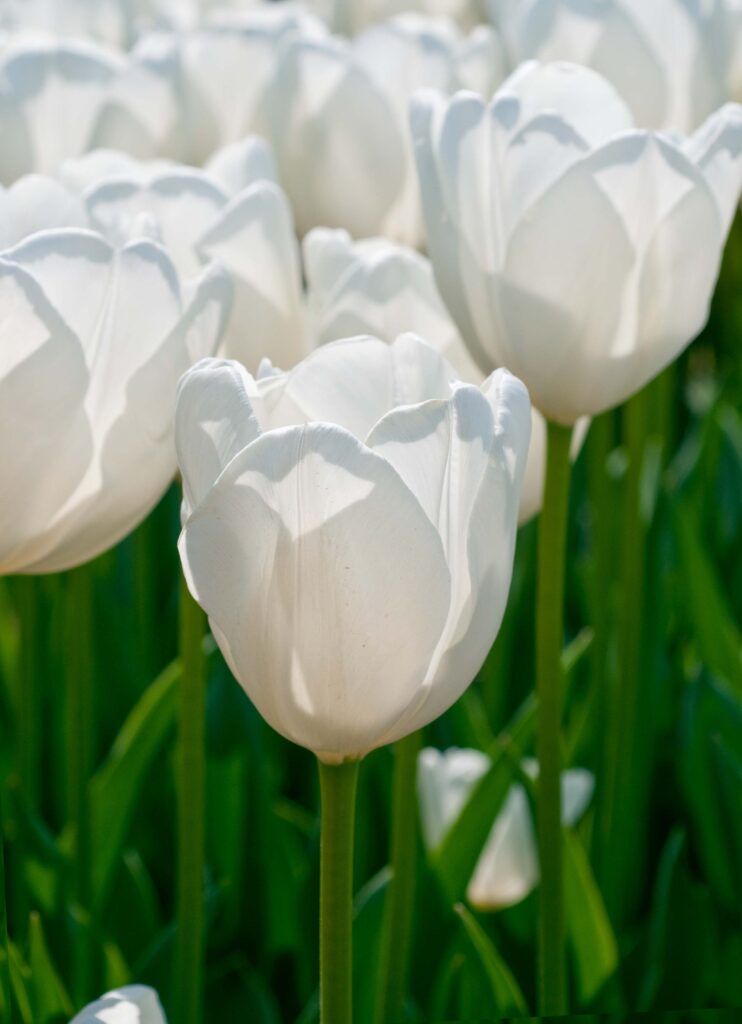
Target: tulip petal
254	238
325	583
716	149
213	422
43	384
464	460
353	383
135	1004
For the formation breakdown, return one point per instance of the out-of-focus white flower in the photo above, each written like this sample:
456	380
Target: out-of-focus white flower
667	58
60	99
135	1004
568	246
93	340
37	203
338	116
383	289
229	213
222	70
733	27
350	529
350	17
507	869
106	21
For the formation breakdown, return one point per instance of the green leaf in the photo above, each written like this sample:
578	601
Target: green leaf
507	996
593	943
20	980
116	787
49	996
719	640
456	857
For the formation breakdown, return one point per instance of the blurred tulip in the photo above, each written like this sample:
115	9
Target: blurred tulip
106	21
350	530
383	289
338	119
133	1005
569	247
58	100
36	203
350	17
222	69
93	341
507	869
667	58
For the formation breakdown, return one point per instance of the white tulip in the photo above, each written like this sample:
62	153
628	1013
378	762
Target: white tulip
60	99
383	289
223	69
507	869
338	115
135	1004
575	250
36	203
93	340
107	21
352	16
667	58
195	216
350	530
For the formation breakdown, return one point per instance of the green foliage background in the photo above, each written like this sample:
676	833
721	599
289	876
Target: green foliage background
654	708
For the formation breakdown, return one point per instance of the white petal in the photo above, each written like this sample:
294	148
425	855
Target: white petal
334	174
213	422
135	1004
35	203
46	438
379	288
464	460
254	239
182	203
325	584
507	870
445	780
353	383
243	163
716	149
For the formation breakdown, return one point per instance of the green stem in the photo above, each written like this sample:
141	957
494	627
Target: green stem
620	816
400	898
338	795
81	746
549	642
188	981
6	1010
29	694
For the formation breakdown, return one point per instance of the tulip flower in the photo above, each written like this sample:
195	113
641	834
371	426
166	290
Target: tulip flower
221	103
381	288
135	1004
583	257
106	21
60	99
507	869
349	528
94	341
350	17
337	112
667	58
323	464
581	253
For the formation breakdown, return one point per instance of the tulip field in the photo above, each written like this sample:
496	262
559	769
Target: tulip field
370	508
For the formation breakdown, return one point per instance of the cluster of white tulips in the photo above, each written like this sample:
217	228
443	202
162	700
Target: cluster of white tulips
359	289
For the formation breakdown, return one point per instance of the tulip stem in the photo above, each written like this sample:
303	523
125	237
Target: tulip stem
30	716
188	980
399	905
338	785
552	544
6	1012
81	753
